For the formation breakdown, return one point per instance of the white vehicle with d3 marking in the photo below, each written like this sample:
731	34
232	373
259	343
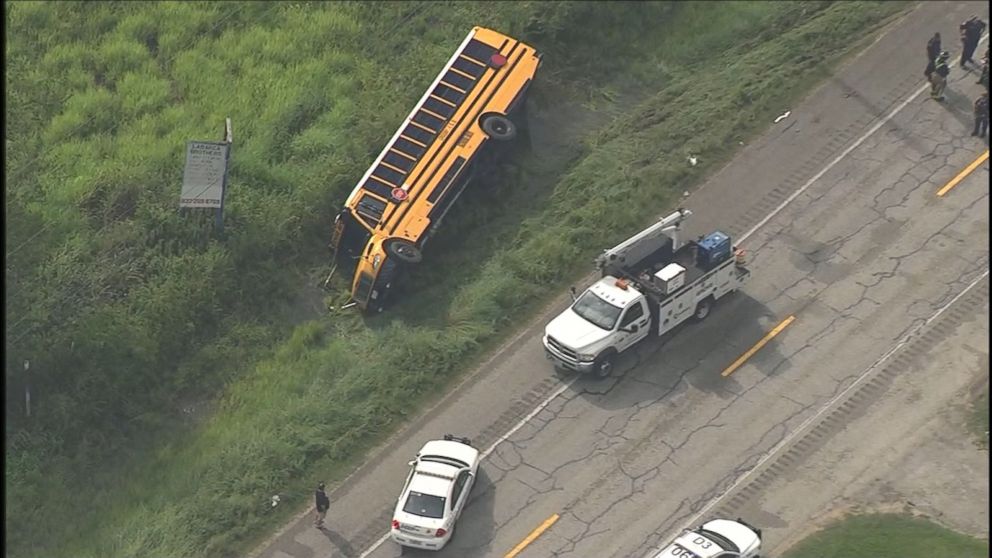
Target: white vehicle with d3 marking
718	538
651	283
435	493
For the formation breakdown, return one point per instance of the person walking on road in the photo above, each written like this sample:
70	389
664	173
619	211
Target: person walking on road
321	503
981	115
971	33
938	80
933	51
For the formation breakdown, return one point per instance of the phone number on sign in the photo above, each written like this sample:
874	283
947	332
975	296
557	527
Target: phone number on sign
198	201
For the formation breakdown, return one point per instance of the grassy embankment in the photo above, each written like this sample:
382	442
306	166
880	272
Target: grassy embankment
887	536
126	308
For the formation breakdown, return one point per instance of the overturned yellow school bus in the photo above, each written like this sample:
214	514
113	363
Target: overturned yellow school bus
400	200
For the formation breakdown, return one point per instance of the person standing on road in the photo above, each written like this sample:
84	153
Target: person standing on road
933	51
981	115
321	503
938	80
971	33
984	78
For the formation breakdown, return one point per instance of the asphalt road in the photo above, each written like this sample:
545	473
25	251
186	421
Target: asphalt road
919	458
838	209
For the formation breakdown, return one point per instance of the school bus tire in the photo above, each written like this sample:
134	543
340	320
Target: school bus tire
499	127
404	250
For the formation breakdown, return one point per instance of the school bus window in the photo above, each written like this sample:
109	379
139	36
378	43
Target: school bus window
371	208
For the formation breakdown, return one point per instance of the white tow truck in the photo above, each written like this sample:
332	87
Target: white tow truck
650	283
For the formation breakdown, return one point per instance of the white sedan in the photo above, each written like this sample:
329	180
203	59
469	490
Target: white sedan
718	538
435	493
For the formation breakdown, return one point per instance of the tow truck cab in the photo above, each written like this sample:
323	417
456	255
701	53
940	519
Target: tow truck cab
609	315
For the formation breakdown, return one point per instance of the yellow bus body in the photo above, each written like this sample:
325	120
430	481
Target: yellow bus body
417	176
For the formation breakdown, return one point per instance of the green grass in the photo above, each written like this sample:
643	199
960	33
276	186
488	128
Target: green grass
887	536
131	310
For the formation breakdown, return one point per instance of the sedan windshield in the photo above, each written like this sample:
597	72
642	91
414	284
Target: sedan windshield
424	505
596	310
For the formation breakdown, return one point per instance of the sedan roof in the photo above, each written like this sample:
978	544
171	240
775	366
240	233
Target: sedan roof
457	450
433	478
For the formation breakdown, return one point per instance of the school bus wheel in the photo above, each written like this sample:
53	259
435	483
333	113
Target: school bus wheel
499	127
403	250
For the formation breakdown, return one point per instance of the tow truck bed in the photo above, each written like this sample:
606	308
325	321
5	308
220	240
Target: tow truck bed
684	256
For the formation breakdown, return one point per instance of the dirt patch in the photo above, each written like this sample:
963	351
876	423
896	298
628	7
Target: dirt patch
913	451
978	419
944	478
309	301
196	410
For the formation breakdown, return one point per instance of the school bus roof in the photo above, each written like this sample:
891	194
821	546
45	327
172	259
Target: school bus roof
425	141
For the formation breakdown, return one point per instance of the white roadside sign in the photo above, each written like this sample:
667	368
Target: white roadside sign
203	178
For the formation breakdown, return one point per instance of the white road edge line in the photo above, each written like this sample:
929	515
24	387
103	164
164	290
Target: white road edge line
760	224
375	546
842	155
488	451
561	389
826	407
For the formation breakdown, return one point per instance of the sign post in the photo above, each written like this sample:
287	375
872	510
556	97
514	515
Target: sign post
227	138
27	389
205	175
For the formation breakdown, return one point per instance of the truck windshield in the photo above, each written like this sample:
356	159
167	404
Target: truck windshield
596	310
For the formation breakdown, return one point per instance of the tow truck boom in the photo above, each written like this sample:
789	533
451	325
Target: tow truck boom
636	248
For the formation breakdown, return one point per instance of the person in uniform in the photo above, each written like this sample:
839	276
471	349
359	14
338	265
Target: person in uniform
933	51
984	78
981	115
971	33
938	80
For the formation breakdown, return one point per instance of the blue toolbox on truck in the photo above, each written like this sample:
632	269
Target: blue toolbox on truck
713	249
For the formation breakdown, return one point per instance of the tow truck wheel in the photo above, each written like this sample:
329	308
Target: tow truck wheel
499	127
404	250
603	366
703	309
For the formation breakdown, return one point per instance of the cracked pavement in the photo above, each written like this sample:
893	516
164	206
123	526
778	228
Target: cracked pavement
920	459
863	256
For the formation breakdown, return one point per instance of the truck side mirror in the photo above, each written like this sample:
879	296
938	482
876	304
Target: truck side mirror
575	295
